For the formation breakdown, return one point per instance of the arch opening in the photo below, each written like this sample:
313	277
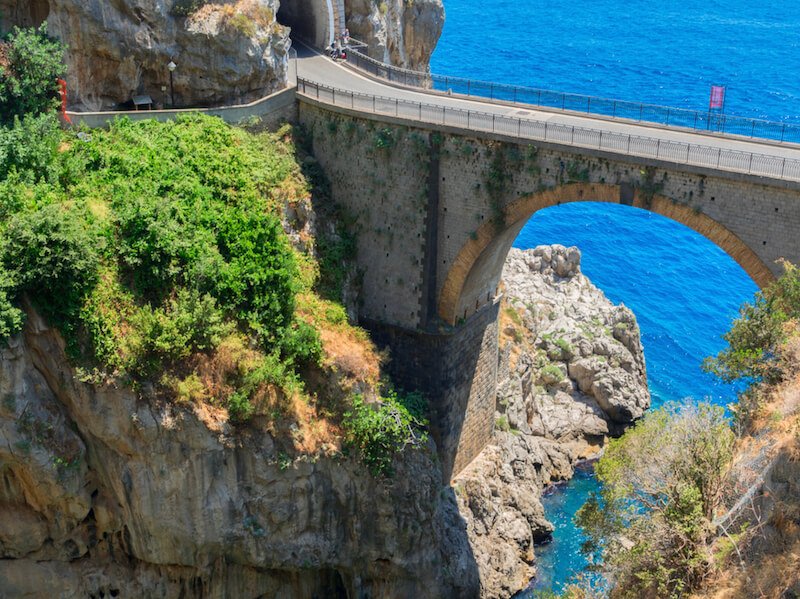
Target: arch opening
473	278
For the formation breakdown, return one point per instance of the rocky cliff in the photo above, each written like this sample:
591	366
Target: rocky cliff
572	373
401	32
225	52
109	491
106	493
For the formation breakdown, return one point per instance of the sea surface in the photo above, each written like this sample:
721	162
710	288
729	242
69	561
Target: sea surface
682	288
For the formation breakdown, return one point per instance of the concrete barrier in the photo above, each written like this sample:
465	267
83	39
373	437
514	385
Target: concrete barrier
279	106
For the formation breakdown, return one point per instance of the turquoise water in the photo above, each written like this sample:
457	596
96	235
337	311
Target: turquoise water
683	289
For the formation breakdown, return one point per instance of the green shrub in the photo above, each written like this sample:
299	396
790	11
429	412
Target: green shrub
11	317
161	337
28	85
661	484
271	370
151	242
184	8
384	139
380	430
301	344
29	147
243	24
755	337
53	257
258	282
158	245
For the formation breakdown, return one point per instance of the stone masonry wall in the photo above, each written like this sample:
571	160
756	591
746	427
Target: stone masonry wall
380	176
438	208
458	371
489	188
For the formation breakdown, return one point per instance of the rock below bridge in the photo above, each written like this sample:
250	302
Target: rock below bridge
571	374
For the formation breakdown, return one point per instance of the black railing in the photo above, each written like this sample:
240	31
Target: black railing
526	128
622	109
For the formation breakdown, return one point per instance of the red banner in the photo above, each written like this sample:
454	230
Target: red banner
62	91
717	97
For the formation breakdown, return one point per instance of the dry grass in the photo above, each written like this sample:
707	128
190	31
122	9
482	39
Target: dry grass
248	16
770	568
349	355
514	333
287	414
5	63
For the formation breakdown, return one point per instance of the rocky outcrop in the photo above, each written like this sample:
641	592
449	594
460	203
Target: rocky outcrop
105	493
571	374
229	51
399	32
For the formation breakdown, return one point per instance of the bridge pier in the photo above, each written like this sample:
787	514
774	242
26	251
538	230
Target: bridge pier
457	371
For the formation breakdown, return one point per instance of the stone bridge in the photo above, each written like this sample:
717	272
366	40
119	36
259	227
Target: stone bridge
438	207
440	185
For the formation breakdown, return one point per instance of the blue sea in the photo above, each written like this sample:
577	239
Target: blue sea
683	289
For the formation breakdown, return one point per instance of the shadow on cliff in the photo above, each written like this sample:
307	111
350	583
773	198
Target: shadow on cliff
444	367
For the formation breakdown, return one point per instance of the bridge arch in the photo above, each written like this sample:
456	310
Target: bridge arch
472	280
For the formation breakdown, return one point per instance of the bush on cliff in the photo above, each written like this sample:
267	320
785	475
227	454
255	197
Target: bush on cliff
30	64
150	244
379	430
756	340
159	252
650	524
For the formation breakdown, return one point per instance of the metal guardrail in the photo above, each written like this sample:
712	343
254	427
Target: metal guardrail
623	109
620	143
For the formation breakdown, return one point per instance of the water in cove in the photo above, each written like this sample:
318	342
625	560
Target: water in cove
683	289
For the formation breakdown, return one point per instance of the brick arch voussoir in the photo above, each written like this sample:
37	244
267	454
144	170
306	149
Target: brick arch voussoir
524	207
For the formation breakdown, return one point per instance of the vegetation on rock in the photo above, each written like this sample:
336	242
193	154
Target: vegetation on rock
757	339
30	64
673	516
661	486
162	253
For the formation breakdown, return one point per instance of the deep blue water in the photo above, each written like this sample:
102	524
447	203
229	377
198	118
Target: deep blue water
659	52
682	288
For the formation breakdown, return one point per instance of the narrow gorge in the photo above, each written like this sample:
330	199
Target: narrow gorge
262	347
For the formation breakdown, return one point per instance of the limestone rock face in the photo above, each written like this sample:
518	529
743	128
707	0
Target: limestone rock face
108	494
571	373
593	343
399	32
228	52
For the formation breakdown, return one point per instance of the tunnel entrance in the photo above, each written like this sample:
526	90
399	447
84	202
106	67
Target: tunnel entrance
311	21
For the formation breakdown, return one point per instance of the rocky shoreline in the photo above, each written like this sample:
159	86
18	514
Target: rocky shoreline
571	374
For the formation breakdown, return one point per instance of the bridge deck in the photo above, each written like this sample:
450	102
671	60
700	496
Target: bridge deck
319	69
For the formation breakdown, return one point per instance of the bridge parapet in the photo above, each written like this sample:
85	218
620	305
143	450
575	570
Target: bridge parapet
518	127
681	118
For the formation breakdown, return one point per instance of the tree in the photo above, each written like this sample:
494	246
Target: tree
30	64
650	523
756	339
